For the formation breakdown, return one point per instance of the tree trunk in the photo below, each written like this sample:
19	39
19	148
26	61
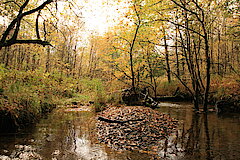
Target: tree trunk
167	56
48	60
176	52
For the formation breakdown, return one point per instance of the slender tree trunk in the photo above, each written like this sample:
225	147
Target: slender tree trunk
176	52
167	56
48	60
208	76
74	64
218	54
90	61
131	56
80	64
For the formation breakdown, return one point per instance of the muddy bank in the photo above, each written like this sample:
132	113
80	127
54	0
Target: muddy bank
15	116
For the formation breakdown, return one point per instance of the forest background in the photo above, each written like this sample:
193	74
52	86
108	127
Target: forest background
51	56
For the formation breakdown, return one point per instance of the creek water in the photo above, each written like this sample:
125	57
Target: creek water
71	135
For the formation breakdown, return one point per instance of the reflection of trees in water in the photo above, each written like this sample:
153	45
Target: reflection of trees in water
208	146
70	136
193	136
190	143
197	143
204	136
201	136
57	139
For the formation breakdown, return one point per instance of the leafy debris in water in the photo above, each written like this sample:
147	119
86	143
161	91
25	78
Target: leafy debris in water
144	129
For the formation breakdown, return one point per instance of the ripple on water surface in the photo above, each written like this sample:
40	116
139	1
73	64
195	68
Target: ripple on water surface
72	135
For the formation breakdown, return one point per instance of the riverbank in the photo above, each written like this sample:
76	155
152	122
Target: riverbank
14	117
27	96
224	91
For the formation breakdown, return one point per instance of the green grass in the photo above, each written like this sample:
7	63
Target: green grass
27	95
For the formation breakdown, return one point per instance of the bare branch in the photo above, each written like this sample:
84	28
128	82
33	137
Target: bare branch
190	29
38	8
188	10
34	41
17	22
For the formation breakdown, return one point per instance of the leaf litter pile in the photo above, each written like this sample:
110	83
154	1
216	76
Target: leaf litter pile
134	128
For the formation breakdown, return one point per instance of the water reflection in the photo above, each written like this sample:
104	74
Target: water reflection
207	136
85	150
72	135
71	138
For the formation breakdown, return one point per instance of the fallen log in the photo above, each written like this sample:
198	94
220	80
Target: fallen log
178	98
117	121
138	97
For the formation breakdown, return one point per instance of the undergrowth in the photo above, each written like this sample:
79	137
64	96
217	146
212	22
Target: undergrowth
27	95
221	88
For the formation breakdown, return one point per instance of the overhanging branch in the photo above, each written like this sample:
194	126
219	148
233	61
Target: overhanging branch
30	41
16	24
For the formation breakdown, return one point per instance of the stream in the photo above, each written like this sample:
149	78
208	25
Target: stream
71	135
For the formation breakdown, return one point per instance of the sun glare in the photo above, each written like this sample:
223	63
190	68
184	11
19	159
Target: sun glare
100	15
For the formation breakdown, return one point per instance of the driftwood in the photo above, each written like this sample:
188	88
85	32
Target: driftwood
149	101
117	121
138	97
